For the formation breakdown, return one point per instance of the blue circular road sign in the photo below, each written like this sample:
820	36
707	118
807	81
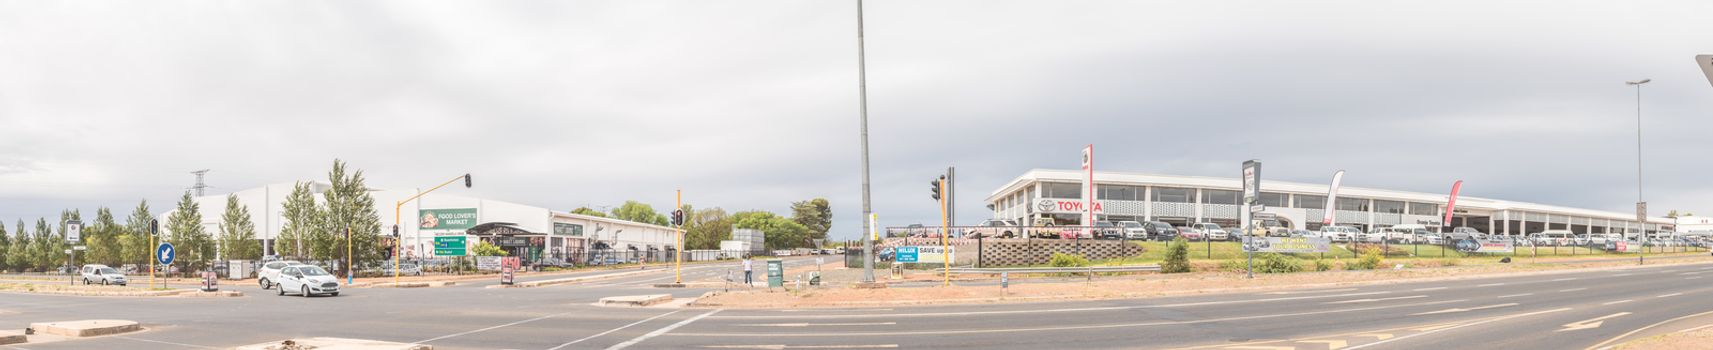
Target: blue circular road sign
164	253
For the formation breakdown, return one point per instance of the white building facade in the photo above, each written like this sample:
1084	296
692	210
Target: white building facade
1055	196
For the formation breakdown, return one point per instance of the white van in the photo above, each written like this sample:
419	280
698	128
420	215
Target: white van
1406	233
1553	237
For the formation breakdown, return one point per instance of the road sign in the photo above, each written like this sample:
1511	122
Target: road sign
80	247
1255	209
73	231
450	246
906	255
164	253
775	273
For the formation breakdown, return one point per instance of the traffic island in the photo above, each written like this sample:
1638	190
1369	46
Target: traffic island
422	284
669	285
86	328
635	300
323	343
12	337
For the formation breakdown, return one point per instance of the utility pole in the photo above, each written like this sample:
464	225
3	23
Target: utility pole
867	210
678	226
1641	206
200	186
951	196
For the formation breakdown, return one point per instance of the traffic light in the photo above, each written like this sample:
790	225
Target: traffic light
395	231
936	188
678	217
466	180
154	227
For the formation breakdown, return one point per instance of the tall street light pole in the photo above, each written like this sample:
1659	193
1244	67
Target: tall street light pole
397	238
862	92
1641	206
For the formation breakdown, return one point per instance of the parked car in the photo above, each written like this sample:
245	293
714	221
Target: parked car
1304	233
1160	230
1340	233
1107	230
1190	233
993	228
1212	230
1553	237
1133	230
411	269
1461	233
1430	238
97	273
1372	236
269	275
307	280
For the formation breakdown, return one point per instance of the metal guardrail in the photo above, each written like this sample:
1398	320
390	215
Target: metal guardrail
1088	269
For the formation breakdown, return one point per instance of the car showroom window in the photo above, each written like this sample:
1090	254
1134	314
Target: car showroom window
1419	208
1172	194
1274	199
1311	201
1061	190
1389	207
1220	197
1353	204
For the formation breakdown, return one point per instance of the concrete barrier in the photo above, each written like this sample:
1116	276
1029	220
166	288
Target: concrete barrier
551	282
86	328
636	300
12	337
323	343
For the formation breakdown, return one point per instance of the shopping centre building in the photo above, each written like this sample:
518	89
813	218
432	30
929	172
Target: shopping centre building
523	230
1054	196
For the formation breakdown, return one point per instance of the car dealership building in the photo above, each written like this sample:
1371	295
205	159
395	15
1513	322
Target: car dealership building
1054	196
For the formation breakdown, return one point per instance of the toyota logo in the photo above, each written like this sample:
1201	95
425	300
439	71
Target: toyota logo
1046	205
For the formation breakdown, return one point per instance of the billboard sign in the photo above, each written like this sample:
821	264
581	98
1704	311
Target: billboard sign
906	254
1486	246
447	219
1289	244
451	246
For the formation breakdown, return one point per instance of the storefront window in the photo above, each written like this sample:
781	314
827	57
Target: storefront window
1419	208
1061	190
1172	194
1274	200
1220	197
1353	204
564	229
1114	192
1389	207
1310	201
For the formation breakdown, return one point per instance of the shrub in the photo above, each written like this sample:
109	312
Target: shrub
1369	261
1322	265
1233	265
1450	262
1069	260
1278	263
1177	257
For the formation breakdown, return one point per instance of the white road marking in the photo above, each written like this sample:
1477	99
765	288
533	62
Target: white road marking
1333	344
782	346
1373	300
598	335
1669	295
1033	311
1060	328
1495	319
1515	295
165	342
1463	309
1691	278
1618	302
658	332
1639	330
1621	275
1491	285
822	310
1571	290
1695	329
489	328
1417	289
817	324
1311	291
1589	323
1565	279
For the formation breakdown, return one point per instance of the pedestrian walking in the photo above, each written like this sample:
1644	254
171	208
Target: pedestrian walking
747	272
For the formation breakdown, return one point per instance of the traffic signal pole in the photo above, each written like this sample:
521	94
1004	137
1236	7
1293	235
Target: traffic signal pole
945	249
397	239
678	226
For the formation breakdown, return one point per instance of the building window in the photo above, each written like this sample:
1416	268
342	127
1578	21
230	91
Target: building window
564	229
1388	207
1353	204
1172	194
1220	197
1310	201
1419	208
1275	200
1061	190
1114	192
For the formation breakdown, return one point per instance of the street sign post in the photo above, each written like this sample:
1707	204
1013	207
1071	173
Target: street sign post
1251	196
73	231
164	253
451	246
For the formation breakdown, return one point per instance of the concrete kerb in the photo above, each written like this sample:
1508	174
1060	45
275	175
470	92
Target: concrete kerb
134	293
12	337
967	301
635	300
423	284
325	343
86	328
533	284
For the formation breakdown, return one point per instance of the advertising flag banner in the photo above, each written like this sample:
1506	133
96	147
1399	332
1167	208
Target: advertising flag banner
1332	197
1088	185
1455	186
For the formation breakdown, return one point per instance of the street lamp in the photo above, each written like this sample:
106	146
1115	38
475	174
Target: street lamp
862	92
1641	206
396	207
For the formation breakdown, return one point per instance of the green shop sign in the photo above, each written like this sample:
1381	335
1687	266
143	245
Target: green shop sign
447	219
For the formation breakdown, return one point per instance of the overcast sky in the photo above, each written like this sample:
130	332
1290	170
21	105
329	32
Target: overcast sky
753	104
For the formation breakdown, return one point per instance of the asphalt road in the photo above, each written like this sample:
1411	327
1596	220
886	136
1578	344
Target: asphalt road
1561	310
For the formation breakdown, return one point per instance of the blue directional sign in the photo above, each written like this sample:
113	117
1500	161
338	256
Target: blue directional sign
906	254
164	253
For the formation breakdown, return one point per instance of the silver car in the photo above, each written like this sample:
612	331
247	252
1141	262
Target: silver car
94	273
269	275
307	280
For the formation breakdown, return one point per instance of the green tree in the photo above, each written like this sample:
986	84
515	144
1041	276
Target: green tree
5	247
238	232
134	240
782	233
814	214
300	223
42	252
705	228
19	256
589	212
193	244
635	211
350	211
1177	257
101	237
487	249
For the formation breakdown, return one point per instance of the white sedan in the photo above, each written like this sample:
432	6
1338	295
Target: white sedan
308	280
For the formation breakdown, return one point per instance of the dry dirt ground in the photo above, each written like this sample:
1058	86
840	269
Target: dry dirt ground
1138	286
1700	339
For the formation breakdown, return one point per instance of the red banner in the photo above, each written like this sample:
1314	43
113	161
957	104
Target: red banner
1450	204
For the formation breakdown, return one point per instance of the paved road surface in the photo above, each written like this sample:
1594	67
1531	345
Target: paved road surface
1570	310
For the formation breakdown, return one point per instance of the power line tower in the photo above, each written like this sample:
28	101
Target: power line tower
200	186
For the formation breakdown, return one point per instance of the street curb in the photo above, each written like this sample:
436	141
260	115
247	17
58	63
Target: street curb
425	284
336	343
104	293
86	328
553	282
973	301
635	300
13	337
